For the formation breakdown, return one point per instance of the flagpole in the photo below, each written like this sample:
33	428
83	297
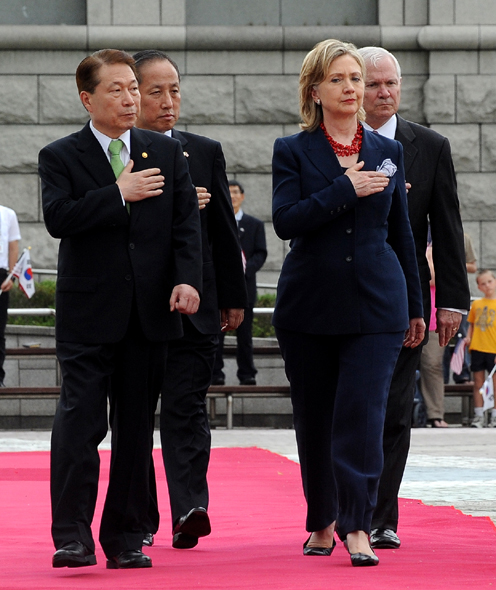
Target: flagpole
11	276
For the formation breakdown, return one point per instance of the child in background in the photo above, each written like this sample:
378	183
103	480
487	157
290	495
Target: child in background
481	339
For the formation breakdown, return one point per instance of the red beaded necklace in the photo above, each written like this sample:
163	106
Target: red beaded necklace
345	150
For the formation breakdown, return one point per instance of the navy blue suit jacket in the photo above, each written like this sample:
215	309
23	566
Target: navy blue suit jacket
352	266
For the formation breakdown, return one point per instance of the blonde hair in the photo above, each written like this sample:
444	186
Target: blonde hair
314	70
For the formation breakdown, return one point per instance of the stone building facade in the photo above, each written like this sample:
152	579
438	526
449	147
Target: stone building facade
239	86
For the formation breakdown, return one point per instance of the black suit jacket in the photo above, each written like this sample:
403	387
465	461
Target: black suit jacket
223	280
433	197
252	238
109	258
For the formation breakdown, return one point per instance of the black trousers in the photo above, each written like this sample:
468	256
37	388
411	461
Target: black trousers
184	427
397	430
130	373
339	386
244	351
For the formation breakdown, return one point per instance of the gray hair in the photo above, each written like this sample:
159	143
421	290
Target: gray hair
373	55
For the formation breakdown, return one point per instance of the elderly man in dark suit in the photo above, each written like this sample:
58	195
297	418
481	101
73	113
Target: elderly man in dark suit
433	198
184	428
252	237
129	262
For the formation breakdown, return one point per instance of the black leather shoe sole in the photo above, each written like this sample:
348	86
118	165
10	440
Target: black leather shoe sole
189	527
73	555
184	541
196	523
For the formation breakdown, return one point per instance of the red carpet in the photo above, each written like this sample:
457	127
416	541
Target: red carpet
257	513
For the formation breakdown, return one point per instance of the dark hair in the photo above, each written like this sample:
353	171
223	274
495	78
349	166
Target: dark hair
238	184
87	72
148	55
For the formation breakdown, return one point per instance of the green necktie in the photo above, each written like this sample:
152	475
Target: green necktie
115	148
117	164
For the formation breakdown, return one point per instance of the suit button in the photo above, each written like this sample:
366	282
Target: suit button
131	246
332	212
349	258
349	230
338	209
128	277
344	206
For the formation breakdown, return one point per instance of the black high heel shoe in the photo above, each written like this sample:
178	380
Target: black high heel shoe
362	559
321	551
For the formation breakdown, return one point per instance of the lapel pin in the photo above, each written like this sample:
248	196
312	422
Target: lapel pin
186	155
144	155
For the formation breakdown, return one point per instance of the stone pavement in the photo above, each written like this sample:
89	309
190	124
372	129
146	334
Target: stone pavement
447	466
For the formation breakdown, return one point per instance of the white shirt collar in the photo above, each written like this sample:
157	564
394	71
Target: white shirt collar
168	133
239	215
387	130
104	141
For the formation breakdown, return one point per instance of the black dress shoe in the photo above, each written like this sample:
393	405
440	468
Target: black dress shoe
248	381
218	381
189	527
322	551
384	539
148	539
130	559
73	554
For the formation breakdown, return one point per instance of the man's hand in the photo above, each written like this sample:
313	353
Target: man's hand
7	285
448	323
185	299
136	186
203	197
230	319
415	333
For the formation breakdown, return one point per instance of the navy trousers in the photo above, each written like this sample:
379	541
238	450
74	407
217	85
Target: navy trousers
339	387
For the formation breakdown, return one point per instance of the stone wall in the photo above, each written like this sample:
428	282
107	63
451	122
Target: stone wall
240	87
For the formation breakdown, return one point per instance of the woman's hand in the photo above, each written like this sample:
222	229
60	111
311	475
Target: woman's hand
415	333
367	182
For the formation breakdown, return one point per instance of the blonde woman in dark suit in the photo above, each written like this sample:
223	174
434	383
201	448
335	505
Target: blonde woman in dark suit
348	295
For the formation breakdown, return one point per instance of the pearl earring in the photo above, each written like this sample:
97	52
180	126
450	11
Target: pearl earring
318	101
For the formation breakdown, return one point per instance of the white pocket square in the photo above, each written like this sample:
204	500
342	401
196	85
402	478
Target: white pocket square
388	168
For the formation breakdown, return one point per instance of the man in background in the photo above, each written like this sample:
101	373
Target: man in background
184	428
432	197
9	253
252	238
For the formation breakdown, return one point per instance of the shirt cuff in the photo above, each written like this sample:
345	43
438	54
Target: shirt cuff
462	311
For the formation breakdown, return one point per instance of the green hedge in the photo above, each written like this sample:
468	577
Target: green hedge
45	297
262	323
